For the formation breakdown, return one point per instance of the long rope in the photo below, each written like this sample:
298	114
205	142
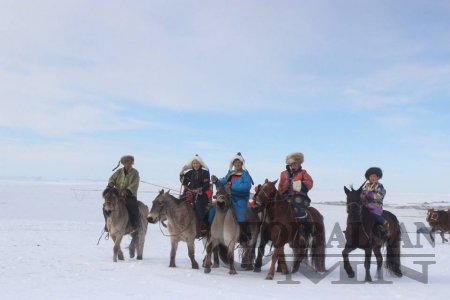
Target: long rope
161	186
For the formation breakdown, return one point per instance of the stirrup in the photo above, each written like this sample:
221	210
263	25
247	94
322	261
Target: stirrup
303	217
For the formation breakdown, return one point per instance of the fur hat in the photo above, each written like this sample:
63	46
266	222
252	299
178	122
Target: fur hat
239	157
294	157
188	165
374	170
123	159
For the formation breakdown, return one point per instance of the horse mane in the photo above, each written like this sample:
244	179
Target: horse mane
113	190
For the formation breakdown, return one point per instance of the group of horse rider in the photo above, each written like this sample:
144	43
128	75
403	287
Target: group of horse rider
294	185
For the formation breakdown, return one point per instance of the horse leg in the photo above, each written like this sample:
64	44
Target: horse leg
231	258
191	253
282	262
443	237
216	263
140	243
347	265
433	229
379	257
368	256
173	251
207	260
133	243
117	250
271	272
258	261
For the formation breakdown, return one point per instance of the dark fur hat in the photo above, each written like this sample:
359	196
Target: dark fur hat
374	170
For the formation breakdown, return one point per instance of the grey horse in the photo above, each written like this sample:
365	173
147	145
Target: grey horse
224	230
118	224
181	223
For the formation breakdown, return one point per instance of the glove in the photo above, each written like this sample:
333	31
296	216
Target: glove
128	193
251	203
214	179
369	196
297	185
110	185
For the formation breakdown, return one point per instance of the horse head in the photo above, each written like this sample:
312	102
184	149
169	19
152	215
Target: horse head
156	212
223	196
111	196
353	201
266	192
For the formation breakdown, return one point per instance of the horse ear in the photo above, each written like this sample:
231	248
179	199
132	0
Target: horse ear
161	192
275	182
347	191
266	181
168	192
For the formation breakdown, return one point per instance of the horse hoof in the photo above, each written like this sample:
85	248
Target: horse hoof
351	274
207	270
172	266
257	270
195	266
269	277
215	265
232	272
139	257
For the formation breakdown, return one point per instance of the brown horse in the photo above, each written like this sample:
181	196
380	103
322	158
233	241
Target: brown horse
181	223
282	227
439	220
118	224
360	234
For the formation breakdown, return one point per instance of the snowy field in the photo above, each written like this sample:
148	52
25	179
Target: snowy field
48	250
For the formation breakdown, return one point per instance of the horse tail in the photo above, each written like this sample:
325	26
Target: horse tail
318	240
393	245
223	253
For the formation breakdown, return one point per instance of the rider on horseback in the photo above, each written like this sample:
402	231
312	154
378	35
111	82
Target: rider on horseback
195	179
126	180
372	196
295	183
240	182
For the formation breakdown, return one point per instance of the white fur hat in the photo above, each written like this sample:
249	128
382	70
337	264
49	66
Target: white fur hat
188	165
238	156
294	157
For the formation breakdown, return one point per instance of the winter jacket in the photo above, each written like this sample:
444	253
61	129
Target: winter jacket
285	186
240	185
193	179
125	180
373	193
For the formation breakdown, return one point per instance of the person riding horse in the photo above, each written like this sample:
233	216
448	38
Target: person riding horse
372	196
194	177
295	184
126	180
240	182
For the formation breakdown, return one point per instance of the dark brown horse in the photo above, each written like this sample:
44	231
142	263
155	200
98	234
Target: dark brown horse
439	220
360	234
281	227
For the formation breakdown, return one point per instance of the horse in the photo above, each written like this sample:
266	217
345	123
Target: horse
439	220
359	234
181	223
224	231
280	226
118	224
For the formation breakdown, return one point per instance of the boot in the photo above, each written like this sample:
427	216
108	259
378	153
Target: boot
201	228
133	211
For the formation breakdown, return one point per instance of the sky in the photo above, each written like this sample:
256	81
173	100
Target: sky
351	84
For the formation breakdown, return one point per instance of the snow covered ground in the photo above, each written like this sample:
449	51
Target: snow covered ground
48	250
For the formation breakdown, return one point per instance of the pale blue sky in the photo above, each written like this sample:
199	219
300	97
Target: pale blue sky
351	84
